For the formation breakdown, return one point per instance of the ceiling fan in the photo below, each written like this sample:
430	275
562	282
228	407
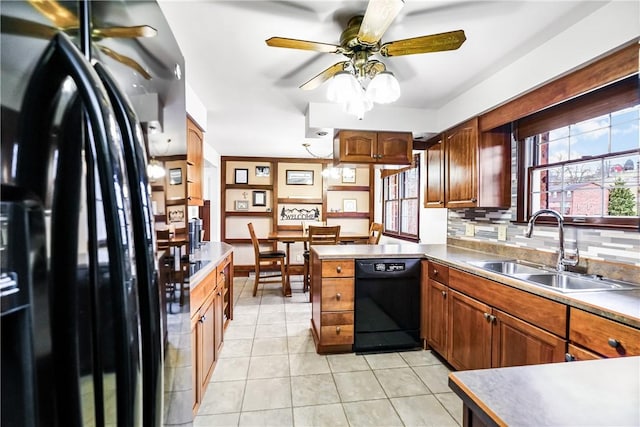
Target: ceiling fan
361	39
65	20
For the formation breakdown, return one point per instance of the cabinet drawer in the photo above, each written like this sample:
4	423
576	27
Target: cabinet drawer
338	268
438	272
575	353
603	336
337	328
544	313
337	294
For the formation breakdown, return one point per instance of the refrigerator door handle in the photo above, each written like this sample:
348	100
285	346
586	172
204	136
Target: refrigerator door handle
62	59
143	235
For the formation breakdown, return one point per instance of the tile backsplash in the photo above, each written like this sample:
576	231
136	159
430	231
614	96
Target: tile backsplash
597	244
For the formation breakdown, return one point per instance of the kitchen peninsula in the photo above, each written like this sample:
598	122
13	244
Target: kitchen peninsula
556	322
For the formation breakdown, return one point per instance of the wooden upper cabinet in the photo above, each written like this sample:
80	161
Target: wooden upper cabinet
477	166
434	162
195	140
462	165
355	146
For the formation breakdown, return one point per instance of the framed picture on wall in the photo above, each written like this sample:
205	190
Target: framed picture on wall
175	176
263	170
348	175
242	205
259	198
241	176
349	205
295	177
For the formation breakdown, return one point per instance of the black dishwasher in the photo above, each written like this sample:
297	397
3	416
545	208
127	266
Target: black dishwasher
387	305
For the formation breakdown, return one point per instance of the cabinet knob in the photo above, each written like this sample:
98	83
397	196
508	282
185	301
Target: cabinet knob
568	357
435	272
492	318
486	316
613	342
337	329
338	295
202	318
219	293
473	199
444	294
339	269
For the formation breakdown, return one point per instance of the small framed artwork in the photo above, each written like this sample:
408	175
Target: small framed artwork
241	176
175	176
349	205
295	177
259	198
242	205
348	175
263	170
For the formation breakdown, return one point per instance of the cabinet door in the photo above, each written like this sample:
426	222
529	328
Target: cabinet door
218	333
437	312
469	332
394	148
196	350
207	320
461	145
434	189
517	343
356	146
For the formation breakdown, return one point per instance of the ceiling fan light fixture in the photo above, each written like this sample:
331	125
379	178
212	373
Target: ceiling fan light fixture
155	170
343	87
383	88
358	106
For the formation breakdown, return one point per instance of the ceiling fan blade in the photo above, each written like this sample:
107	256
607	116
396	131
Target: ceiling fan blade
126	61
451	40
324	76
55	12
22	27
377	18
124	32
303	44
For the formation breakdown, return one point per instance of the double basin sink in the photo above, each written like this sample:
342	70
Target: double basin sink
560	281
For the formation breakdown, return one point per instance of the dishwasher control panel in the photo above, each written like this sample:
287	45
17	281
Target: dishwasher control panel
389	266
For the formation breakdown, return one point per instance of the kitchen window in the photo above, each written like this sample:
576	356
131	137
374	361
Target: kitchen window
582	158
401	202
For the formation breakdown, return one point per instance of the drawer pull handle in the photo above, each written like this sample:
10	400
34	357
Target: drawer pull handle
339	269
337	329
568	357
338	295
435	272
613	342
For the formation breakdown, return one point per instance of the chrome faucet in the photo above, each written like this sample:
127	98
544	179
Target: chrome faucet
562	261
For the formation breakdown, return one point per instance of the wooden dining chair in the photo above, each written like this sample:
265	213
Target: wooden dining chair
328	235
375	232
263	257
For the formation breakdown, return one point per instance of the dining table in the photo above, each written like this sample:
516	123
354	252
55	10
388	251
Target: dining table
292	236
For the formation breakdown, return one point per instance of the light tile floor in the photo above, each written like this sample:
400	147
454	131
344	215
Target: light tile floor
270	374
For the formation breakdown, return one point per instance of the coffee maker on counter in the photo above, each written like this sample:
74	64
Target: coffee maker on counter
195	234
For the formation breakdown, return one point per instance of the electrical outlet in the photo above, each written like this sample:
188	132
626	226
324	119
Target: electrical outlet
470	230
502	232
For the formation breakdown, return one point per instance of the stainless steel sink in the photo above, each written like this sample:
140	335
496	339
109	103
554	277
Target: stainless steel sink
560	281
509	267
569	283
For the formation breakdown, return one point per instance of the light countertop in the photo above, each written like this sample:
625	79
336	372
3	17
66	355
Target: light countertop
589	393
208	256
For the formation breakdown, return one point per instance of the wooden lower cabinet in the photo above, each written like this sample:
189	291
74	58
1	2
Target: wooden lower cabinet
602	336
469	333
517	343
332	299
210	310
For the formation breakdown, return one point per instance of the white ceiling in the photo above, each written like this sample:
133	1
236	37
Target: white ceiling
250	90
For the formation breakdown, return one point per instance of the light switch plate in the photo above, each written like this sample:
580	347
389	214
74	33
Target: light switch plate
502	232
470	230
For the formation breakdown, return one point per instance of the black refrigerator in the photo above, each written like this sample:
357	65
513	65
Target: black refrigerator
80	329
